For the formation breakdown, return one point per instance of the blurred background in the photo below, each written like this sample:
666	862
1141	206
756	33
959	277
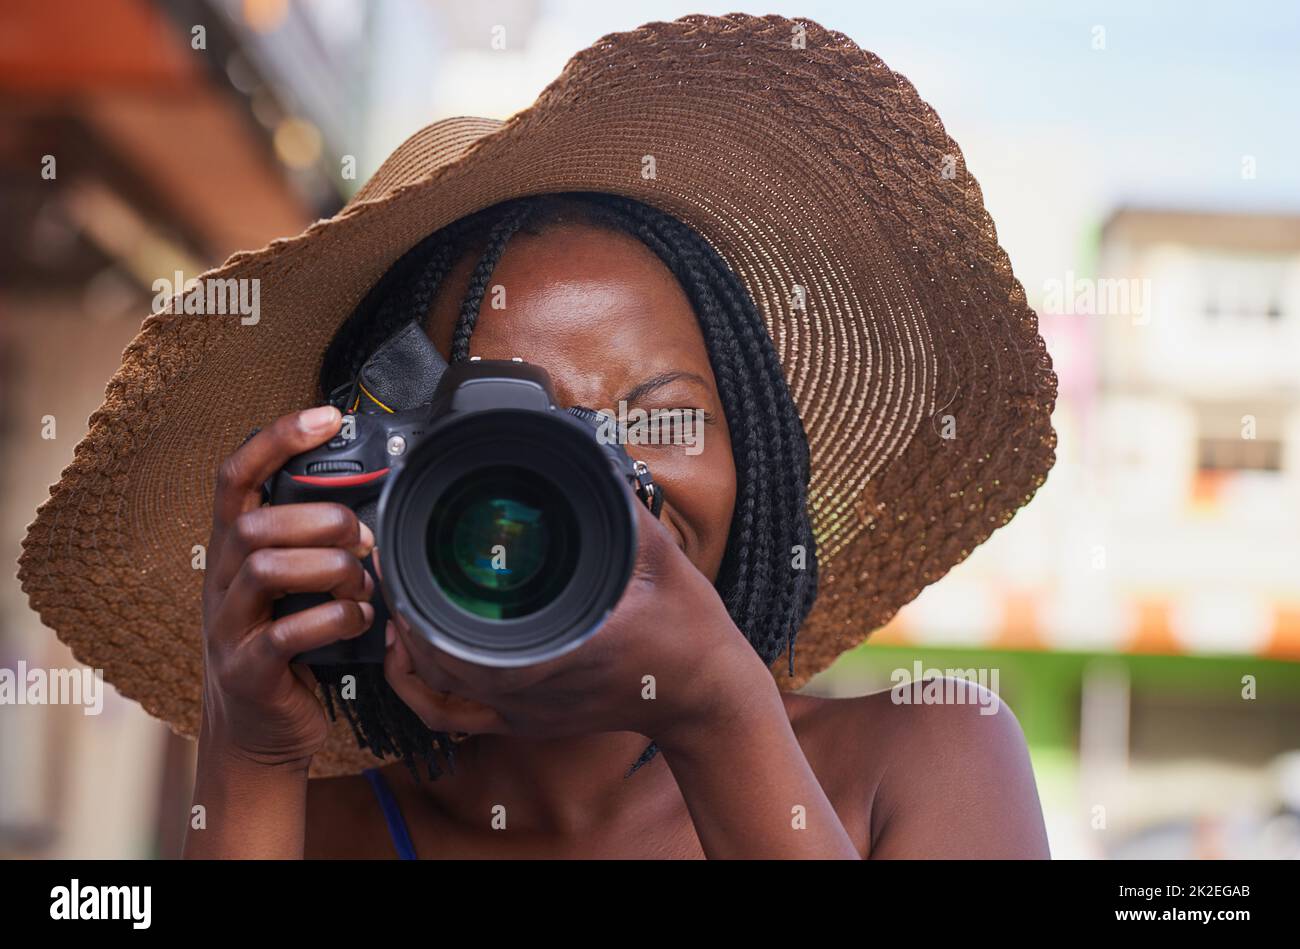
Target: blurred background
1142	615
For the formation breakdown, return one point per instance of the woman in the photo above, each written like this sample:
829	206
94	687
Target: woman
897	413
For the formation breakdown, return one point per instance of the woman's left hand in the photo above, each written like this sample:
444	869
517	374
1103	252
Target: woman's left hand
668	659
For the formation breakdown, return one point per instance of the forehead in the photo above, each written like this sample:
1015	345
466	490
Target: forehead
580	301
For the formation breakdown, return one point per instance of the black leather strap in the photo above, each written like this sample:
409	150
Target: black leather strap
401	374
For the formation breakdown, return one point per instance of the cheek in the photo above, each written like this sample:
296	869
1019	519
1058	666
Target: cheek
701	492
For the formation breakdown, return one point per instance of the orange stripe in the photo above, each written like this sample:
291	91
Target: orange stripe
1019	629
1154	634
1285	641
893	633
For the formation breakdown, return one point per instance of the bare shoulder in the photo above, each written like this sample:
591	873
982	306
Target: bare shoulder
344	821
942	764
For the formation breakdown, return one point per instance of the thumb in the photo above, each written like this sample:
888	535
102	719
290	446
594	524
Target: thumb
440	711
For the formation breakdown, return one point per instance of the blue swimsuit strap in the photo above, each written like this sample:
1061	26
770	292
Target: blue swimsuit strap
392	814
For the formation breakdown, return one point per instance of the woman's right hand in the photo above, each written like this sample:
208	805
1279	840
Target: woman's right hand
257	706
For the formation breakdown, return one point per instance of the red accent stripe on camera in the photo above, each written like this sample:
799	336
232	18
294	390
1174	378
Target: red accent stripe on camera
340	481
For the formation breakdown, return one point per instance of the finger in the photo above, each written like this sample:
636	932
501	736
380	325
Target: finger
655	545
439	711
273	572
305	675
318	524
431	670
441	670
240	478
313	628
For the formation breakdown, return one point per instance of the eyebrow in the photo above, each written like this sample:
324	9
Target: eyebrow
659	381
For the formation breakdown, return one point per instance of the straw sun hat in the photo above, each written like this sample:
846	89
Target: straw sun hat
820	176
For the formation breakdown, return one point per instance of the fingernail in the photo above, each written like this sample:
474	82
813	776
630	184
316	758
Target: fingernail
367	612
320	417
367	539
390	634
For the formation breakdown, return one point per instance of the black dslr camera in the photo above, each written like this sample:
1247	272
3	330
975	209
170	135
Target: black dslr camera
504	524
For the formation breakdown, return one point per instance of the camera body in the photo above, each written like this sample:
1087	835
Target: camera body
504	524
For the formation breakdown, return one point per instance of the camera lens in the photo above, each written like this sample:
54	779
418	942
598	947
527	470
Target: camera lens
502	542
508	536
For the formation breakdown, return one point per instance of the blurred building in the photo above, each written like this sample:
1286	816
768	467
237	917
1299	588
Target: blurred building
1145	610
136	140
1199	461
1200	398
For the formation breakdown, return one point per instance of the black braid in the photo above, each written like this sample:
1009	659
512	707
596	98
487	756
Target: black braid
500	233
765	595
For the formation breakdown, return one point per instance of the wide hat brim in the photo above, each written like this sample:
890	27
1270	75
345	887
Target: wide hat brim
817	173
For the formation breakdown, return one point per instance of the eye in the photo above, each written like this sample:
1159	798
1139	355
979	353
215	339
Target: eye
667	426
686	425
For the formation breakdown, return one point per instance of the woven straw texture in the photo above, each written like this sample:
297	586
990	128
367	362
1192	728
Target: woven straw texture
819	175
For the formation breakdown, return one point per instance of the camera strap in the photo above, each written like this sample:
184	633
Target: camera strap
401	374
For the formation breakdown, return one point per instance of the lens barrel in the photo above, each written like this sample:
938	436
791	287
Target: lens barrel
508	535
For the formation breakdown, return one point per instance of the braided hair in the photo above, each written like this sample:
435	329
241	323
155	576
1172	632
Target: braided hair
765	596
